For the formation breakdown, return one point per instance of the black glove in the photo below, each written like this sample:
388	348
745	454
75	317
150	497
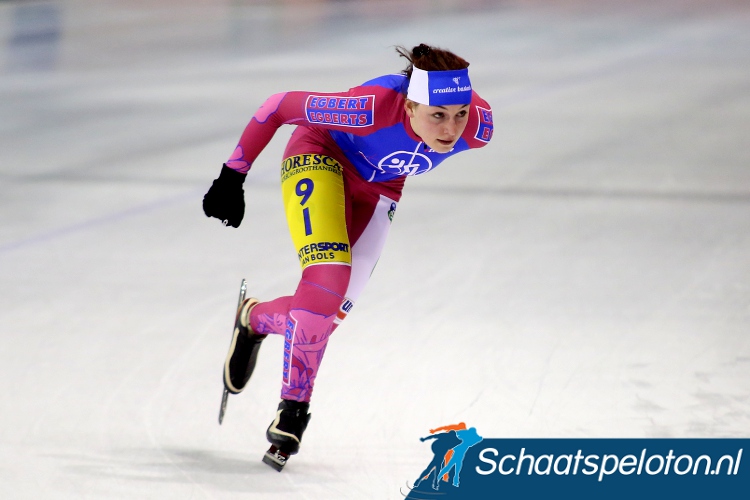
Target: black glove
225	199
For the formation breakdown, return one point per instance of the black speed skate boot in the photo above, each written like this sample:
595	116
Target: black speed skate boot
243	351
285	432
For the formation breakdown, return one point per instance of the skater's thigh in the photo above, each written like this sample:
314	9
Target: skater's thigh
372	221
312	188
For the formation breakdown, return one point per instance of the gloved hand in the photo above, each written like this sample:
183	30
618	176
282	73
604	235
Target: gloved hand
225	199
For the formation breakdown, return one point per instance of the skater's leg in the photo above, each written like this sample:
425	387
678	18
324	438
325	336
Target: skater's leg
453	463
309	325
306	321
320	213
270	317
315	201
326	292
434	466
316	209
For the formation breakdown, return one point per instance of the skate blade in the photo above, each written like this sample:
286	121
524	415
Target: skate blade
223	408
225	395
275	458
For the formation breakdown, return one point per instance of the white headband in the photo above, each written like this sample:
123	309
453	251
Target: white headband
440	88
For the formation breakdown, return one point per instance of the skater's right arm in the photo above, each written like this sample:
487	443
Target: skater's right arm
225	199
352	111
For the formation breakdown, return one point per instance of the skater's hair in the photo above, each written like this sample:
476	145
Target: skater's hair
429	58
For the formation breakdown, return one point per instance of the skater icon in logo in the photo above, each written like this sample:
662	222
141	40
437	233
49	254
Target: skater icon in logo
450	447
442	448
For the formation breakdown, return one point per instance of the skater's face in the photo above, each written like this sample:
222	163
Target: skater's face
439	127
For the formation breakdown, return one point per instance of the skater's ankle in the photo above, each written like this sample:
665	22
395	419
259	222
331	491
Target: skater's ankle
245	311
293	404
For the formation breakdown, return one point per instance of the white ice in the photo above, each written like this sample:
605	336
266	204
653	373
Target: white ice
585	275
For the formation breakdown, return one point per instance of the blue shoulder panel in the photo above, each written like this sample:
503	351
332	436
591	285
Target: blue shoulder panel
397	82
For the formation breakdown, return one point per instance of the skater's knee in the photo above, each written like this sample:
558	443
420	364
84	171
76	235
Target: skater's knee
333	278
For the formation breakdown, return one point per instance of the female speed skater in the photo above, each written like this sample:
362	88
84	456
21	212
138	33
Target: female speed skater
341	180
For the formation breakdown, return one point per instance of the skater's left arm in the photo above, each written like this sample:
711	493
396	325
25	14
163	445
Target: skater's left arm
479	128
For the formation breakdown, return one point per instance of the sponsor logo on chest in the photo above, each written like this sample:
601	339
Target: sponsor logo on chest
345	111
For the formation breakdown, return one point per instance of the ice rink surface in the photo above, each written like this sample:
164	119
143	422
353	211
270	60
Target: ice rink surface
585	275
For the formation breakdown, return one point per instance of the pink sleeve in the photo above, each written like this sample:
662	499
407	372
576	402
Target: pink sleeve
351	111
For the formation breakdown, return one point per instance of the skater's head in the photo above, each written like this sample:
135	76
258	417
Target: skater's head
438	95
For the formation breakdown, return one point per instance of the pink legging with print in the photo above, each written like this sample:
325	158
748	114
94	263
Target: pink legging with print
326	292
